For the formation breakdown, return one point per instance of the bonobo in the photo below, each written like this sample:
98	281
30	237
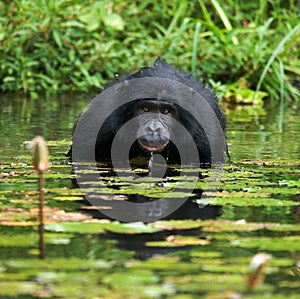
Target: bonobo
156	121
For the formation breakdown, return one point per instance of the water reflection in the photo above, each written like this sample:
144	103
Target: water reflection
22	118
253	133
263	133
120	195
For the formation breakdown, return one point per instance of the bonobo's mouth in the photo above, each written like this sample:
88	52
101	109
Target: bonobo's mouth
153	148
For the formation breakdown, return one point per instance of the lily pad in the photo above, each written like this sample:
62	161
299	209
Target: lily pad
270	244
178	241
75	227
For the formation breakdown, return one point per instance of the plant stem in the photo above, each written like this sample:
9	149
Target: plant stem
41	216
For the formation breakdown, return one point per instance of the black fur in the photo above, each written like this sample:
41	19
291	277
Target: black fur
160	69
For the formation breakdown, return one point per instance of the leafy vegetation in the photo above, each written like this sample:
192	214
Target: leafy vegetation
246	50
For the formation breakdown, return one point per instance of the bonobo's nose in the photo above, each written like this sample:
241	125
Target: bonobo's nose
154	127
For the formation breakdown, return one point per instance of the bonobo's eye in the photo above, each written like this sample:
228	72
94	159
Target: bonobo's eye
145	109
166	111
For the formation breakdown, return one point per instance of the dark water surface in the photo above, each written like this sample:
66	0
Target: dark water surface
259	200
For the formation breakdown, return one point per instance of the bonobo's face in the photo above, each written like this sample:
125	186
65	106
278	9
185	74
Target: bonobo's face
155	125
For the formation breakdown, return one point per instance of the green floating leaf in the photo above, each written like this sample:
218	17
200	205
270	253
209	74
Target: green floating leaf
269	244
289	183
17	241
234	226
285	228
67	198
100	227
14	289
123	279
178	241
26	240
247	200
131	228
76	227
177	224
54	264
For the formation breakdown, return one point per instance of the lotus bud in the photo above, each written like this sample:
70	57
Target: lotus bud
256	266
40	154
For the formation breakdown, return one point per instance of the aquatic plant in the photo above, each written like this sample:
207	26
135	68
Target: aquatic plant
41	164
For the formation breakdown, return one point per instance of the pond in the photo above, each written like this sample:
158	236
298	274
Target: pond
256	208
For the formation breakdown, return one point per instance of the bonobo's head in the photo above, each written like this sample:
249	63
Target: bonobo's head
156	119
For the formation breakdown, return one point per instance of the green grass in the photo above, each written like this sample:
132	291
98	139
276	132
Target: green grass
247	50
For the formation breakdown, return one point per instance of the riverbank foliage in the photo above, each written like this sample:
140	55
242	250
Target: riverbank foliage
245	49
